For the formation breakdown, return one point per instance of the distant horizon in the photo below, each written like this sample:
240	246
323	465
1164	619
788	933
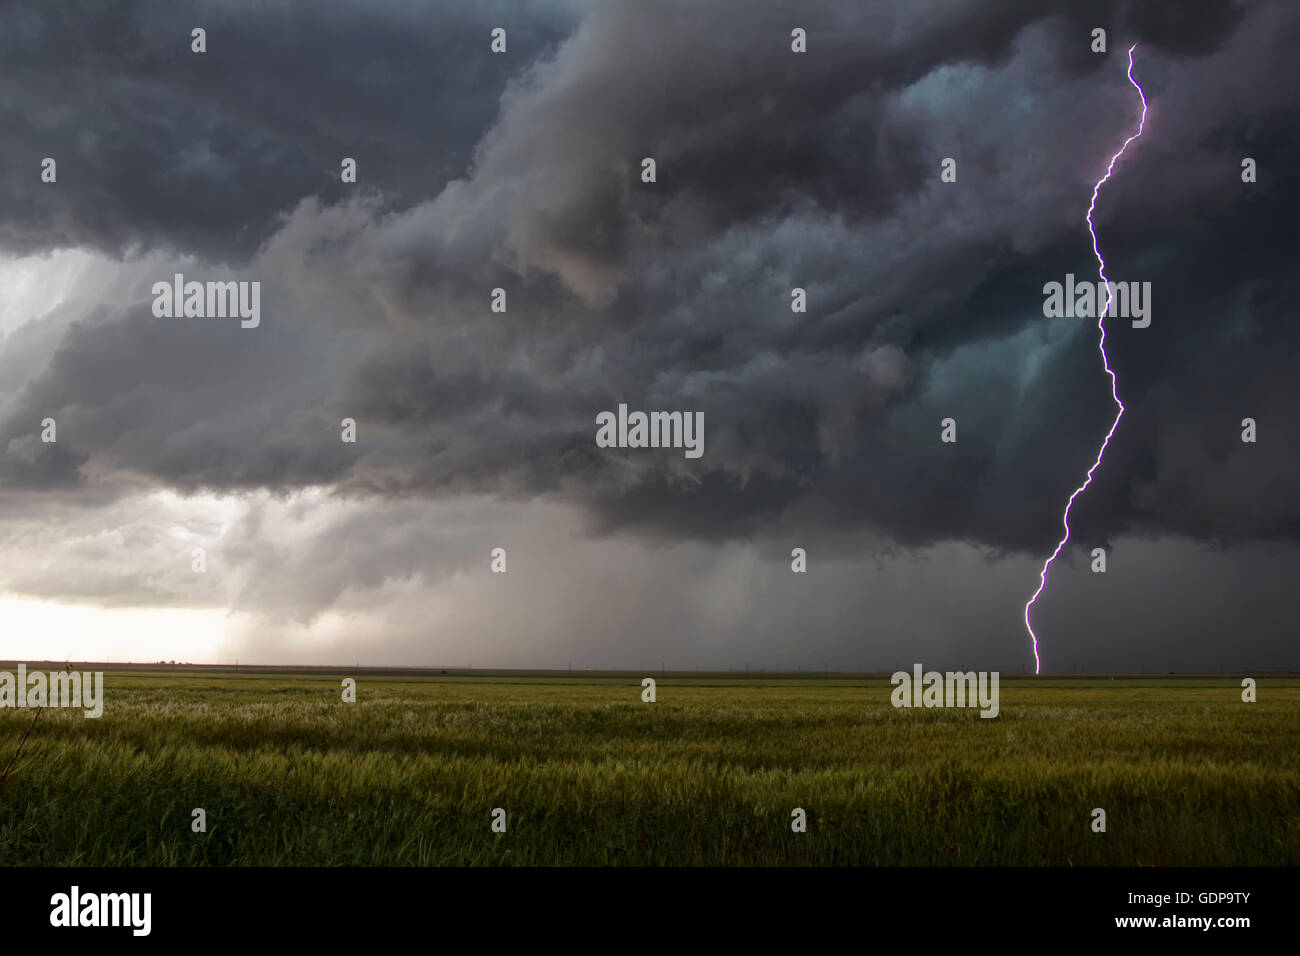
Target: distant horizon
436	670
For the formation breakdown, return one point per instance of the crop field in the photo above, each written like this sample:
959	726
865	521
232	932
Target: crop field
287	773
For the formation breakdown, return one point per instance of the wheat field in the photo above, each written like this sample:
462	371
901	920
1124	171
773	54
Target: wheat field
709	774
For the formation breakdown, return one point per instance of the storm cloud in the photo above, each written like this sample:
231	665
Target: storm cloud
522	171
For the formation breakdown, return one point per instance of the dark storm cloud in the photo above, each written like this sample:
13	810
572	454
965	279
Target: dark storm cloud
167	410
160	147
775	171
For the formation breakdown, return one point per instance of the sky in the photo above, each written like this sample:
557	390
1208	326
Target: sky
476	429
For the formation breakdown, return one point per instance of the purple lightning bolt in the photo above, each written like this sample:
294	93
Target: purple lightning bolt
1101	345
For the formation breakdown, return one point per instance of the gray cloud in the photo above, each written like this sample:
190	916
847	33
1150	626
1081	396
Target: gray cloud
775	171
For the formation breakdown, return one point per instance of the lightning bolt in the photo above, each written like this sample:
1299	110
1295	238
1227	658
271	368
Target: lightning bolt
1101	346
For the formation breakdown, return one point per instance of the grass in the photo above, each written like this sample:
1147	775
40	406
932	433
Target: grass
288	774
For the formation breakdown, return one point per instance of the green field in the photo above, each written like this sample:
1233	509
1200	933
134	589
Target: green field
288	774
